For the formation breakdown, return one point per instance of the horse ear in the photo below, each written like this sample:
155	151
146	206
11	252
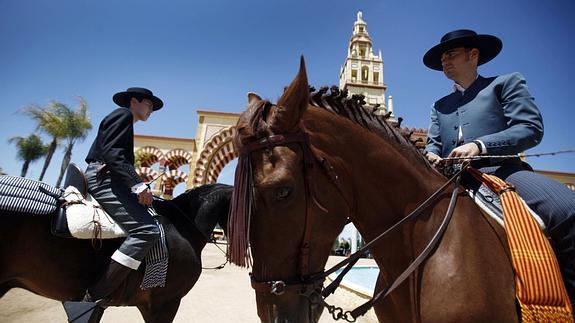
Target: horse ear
252	97
292	103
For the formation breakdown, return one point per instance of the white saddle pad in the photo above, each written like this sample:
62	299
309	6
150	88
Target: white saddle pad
86	215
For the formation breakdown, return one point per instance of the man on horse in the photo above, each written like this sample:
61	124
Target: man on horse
497	116
114	183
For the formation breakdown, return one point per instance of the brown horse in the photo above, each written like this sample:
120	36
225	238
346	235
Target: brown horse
315	160
61	269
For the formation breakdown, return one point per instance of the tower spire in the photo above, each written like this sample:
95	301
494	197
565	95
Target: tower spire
362	71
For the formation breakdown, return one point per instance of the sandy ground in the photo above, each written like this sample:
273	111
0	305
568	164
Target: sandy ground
219	296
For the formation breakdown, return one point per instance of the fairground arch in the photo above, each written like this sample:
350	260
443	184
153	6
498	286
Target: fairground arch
217	153
169	162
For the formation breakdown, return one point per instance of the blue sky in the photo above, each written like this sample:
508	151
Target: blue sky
208	54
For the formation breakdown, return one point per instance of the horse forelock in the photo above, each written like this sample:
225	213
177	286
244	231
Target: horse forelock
252	123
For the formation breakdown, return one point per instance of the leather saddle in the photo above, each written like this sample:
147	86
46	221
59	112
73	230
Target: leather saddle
74	177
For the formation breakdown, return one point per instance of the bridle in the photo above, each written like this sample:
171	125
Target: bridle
311	285
309	159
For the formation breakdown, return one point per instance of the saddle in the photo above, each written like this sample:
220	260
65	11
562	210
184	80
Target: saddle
80	216
490	203
74	177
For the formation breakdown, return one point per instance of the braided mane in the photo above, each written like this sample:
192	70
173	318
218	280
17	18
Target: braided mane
353	108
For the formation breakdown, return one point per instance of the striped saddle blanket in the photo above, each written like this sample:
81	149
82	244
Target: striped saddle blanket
22	195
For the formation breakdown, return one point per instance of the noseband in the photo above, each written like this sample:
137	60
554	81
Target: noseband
311	285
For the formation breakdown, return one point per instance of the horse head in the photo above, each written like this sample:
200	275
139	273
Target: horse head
292	200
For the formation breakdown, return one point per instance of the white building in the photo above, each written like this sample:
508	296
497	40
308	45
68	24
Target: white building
362	72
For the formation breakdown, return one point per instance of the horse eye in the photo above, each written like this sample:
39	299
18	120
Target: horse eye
282	193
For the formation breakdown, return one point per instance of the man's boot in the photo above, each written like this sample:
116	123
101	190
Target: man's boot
108	283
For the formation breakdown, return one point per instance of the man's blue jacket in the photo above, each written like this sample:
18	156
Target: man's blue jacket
498	111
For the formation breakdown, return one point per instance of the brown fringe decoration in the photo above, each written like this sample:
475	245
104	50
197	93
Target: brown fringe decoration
240	214
97	233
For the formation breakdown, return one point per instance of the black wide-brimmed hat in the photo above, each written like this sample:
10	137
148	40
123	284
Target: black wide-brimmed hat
489	46
123	98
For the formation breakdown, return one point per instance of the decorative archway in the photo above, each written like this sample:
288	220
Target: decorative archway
149	155
217	153
170	179
177	157
147	174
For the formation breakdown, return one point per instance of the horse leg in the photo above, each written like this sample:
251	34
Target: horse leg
160	312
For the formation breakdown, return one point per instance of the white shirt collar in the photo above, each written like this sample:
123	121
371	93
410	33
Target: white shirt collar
457	87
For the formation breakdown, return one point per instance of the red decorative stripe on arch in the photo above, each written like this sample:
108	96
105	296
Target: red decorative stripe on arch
147	174
149	155
177	157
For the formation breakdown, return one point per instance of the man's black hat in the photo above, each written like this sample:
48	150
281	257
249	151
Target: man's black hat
123	98
489	46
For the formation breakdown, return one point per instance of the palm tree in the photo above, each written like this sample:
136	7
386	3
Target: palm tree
77	125
49	120
30	149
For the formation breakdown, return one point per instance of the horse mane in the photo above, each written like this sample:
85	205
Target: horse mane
354	108
252	123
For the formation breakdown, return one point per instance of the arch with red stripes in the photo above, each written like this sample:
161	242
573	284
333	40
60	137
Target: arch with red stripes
217	153
149	155
177	157
172	178
147	174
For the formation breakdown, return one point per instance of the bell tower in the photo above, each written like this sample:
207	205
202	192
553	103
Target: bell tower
362	72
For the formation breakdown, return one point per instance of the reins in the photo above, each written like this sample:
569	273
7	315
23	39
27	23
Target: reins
351	316
310	285
480	157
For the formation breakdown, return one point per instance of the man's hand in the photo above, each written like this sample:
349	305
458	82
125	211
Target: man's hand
146	197
467	150
433	159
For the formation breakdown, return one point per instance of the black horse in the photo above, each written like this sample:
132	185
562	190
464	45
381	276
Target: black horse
61	269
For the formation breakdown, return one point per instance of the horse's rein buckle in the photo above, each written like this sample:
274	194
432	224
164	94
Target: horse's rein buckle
278	287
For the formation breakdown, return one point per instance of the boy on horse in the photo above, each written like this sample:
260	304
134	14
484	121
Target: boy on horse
114	183
497	116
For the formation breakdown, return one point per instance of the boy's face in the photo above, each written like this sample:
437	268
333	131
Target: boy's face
141	110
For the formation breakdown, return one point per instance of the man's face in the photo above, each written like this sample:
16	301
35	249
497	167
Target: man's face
141	110
459	62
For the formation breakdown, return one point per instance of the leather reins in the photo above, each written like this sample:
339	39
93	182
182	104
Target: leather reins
310	285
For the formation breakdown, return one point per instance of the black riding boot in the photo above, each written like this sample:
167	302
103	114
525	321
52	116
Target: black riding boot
108	283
